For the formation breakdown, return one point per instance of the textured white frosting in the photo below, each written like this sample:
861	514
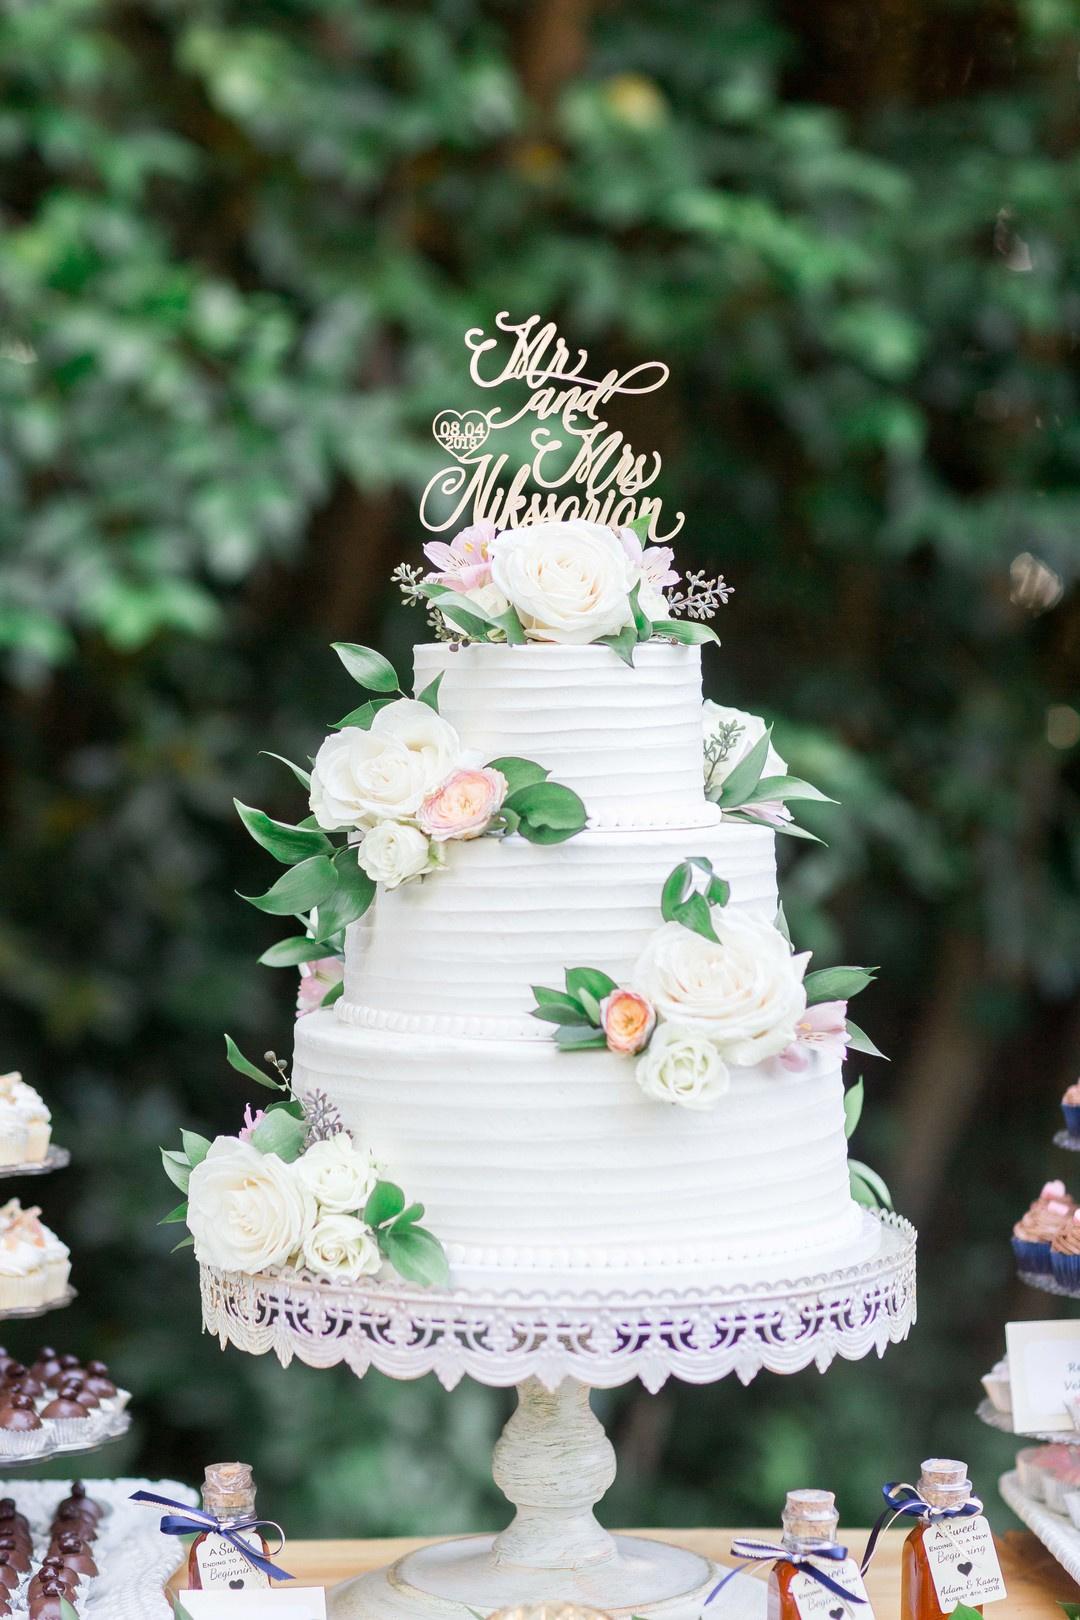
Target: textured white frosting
458	951
628	740
533	1160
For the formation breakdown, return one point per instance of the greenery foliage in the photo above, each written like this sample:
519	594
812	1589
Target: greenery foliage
240	247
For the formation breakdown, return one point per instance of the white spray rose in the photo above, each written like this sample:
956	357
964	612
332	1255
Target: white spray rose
384	774
246	1210
570	582
338	1175
393	852
682	1066
341	1247
717	719
745	993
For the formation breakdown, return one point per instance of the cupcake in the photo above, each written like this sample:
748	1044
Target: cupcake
66	1419
1065	1253
998	1387
1034	1233
29	1107
21	1430
22	1274
14	1139
1070	1107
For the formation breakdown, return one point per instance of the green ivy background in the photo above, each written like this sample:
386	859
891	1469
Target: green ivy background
239	247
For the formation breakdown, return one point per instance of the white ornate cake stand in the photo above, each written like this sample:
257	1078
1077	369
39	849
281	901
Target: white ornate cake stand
553	1460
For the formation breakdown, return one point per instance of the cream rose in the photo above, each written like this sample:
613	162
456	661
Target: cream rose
341	1247
392	852
246	1210
682	1066
339	1176
464	805
570	582
745	993
363	777
737	733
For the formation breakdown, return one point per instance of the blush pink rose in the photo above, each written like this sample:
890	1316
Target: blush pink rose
464	805
627	1020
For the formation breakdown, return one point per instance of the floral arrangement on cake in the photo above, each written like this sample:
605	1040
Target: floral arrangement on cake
294	1189
714	990
391	789
745	776
573	583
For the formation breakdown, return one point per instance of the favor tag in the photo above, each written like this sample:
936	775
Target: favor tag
816	1602
281	1603
221	1565
963	1563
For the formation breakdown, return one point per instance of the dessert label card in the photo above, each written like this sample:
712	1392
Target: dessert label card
1044	1367
963	1563
816	1602
280	1603
222	1565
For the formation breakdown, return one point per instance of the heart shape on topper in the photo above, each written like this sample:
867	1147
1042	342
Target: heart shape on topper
461	432
236	1586
836	1614
966	1567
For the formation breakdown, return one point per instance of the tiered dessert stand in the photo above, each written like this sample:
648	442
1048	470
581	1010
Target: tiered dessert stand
1058	1534
553	1460
119	1422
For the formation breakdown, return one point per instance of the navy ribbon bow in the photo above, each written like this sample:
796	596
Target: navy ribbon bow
764	1552
191	1521
904	1501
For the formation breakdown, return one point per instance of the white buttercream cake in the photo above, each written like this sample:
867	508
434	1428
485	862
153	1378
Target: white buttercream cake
538	1164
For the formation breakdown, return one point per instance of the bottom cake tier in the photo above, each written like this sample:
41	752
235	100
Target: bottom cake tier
547	1164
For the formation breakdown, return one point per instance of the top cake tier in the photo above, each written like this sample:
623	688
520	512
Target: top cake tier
629	741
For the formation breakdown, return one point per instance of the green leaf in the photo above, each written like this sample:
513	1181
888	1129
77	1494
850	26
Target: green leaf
69	1612
789	829
837	983
582	981
335	993
176	1168
853	1107
285	843
184	1243
302	776
179	1611
859	1041
579	1040
239	1062
352	894
781	788
291	952
364	715
744	777
519	773
175	1216
367	667
549	812
687	631
1072	1610
623	644
677	886
298	889
385	1203
466	617
416	1255
695	914
642	622
281	1133
430	694
867	1187
780	923
640	527
558	1009
196	1147
512	626
410	1216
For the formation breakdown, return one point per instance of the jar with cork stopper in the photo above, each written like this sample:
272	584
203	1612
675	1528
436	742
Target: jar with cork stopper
945	1556
214	1559
803	1585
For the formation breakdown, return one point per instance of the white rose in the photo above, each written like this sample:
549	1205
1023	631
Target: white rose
361	777
682	1066
246	1210
570	582
342	1247
720	723
337	1174
745	993
392	852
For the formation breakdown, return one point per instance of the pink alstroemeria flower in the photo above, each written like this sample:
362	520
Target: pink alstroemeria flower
656	561
464	564
251	1122
771	811
316	978
823	1028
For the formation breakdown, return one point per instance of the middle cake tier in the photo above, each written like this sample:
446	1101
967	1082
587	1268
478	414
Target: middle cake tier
457	952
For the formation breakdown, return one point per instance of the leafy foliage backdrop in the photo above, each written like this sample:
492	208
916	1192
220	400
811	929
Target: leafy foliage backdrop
240	247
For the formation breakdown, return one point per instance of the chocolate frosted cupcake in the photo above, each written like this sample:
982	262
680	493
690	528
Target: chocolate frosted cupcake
1035	1232
1070	1107
1065	1253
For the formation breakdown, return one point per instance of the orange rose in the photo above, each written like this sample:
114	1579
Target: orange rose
627	1020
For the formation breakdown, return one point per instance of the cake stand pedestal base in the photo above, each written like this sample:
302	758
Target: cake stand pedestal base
554	1462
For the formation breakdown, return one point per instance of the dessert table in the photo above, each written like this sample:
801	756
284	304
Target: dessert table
1036	1581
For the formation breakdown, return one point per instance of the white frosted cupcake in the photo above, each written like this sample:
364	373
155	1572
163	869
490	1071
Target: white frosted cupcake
30	1109
57	1265
22	1274
14	1138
